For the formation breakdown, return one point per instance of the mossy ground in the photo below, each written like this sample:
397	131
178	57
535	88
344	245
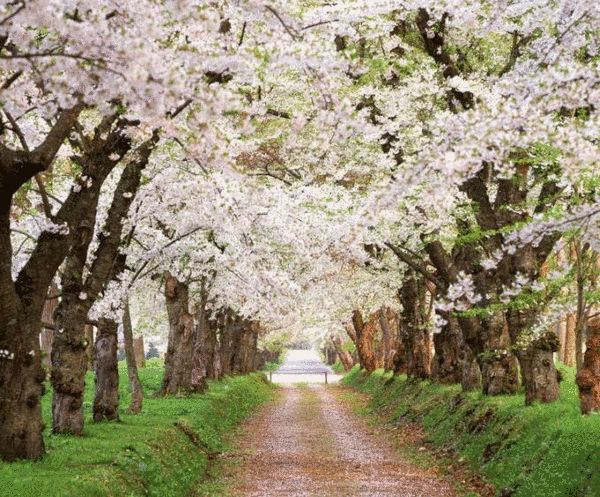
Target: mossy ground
544	450
163	452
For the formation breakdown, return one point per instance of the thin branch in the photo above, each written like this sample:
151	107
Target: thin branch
11	80
318	23
413	264
289	31
242	34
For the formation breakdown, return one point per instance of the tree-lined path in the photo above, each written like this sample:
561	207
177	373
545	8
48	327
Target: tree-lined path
411	188
309	443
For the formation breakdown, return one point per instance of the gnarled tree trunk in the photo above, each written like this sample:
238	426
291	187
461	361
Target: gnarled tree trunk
178	359
106	399
137	396
588	377
344	355
418	337
22	382
69	350
448	366
365	336
499	367
538	372
540	378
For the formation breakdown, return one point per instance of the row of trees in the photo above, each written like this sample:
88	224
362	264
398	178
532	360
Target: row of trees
298	166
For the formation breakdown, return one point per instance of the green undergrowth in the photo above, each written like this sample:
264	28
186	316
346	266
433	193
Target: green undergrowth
544	450
163	452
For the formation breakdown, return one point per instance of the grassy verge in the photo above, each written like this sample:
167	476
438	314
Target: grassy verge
538	451
162	452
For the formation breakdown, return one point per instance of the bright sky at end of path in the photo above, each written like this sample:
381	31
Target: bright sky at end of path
304	366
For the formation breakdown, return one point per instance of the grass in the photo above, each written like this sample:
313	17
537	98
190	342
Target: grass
163	452
545	450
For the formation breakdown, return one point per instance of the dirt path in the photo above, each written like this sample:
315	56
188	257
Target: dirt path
308	443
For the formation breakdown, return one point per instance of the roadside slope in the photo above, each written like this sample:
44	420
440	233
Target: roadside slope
162	452
537	451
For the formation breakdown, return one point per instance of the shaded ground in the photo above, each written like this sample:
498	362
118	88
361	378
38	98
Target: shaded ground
309	443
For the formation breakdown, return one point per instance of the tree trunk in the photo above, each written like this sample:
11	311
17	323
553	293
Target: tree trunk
538	372
106	400
137	396
471	374
448	366
344	355
46	339
499	366
388	322
202	352
365	336
69	349
47	334
418	337
540	378
228	325
400	354
138	350
22	380
178	359
580	339
213	361
570	357
89	338
588	377
69	366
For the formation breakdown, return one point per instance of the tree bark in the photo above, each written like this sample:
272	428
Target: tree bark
228	340
365	336
538	372
400	354
540	378
570	358
47	334
448	366
106	400
22	381
344	355
137	396
89	337
471	375
213	364
202	347
22	301
499	366
140	354
178	359
588	377
388	322
418	337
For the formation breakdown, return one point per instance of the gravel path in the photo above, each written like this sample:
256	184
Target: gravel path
309	443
